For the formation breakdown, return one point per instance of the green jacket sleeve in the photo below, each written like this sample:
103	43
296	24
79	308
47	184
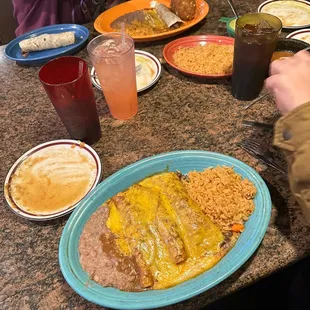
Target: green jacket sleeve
292	135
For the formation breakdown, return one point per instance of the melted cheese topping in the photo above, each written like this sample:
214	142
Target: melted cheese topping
156	216
291	13
53	179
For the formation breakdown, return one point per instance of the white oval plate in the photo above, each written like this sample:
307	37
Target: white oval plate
293	14
151	67
302	35
65	143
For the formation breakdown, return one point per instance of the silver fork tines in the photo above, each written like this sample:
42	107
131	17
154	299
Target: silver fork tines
256	100
261	152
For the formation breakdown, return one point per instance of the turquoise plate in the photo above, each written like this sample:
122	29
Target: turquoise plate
183	161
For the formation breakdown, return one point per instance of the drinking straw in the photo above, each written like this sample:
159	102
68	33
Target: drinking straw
123	34
232	6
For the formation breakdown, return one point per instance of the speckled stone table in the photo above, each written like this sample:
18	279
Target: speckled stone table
177	113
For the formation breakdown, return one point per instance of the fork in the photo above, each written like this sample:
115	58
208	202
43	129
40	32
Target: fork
256	124
261	152
138	68
256	100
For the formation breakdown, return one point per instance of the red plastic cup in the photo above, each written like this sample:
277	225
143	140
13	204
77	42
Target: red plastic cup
67	83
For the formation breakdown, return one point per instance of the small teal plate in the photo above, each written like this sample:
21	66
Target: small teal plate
184	161
13	51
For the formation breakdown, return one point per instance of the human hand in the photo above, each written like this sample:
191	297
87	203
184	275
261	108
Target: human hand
289	81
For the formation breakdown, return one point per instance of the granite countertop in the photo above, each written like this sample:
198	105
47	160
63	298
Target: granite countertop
178	113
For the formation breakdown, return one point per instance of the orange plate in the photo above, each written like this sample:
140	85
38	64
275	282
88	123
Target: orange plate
190	41
104	20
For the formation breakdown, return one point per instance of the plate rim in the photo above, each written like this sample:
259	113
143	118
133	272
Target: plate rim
162	35
35	31
134	302
286	27
139	52
198	37
299	31
47	217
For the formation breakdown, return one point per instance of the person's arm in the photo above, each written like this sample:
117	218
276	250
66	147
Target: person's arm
290	84
292	135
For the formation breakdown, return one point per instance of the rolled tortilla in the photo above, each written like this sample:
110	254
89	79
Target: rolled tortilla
166	15
47	41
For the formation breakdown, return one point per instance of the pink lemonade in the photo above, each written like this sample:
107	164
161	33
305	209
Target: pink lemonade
115	67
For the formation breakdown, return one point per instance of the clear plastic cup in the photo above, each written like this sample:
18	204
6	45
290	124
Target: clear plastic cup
114	62
255	41
67	83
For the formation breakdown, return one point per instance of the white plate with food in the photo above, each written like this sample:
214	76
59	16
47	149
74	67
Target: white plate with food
293	14
38	46
49	180
164	229
148	71
302	35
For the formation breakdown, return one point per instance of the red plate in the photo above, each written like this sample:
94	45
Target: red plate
190	41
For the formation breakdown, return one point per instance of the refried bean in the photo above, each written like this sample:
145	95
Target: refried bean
106	267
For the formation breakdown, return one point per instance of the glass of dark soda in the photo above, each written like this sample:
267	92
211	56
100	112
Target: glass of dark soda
255	41
67	83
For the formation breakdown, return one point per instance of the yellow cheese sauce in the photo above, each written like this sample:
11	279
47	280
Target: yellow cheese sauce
157	221
52	179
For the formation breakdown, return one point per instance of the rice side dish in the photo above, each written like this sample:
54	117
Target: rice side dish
208	59
223	195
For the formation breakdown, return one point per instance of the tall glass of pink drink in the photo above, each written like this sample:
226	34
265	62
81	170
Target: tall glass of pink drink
114	62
